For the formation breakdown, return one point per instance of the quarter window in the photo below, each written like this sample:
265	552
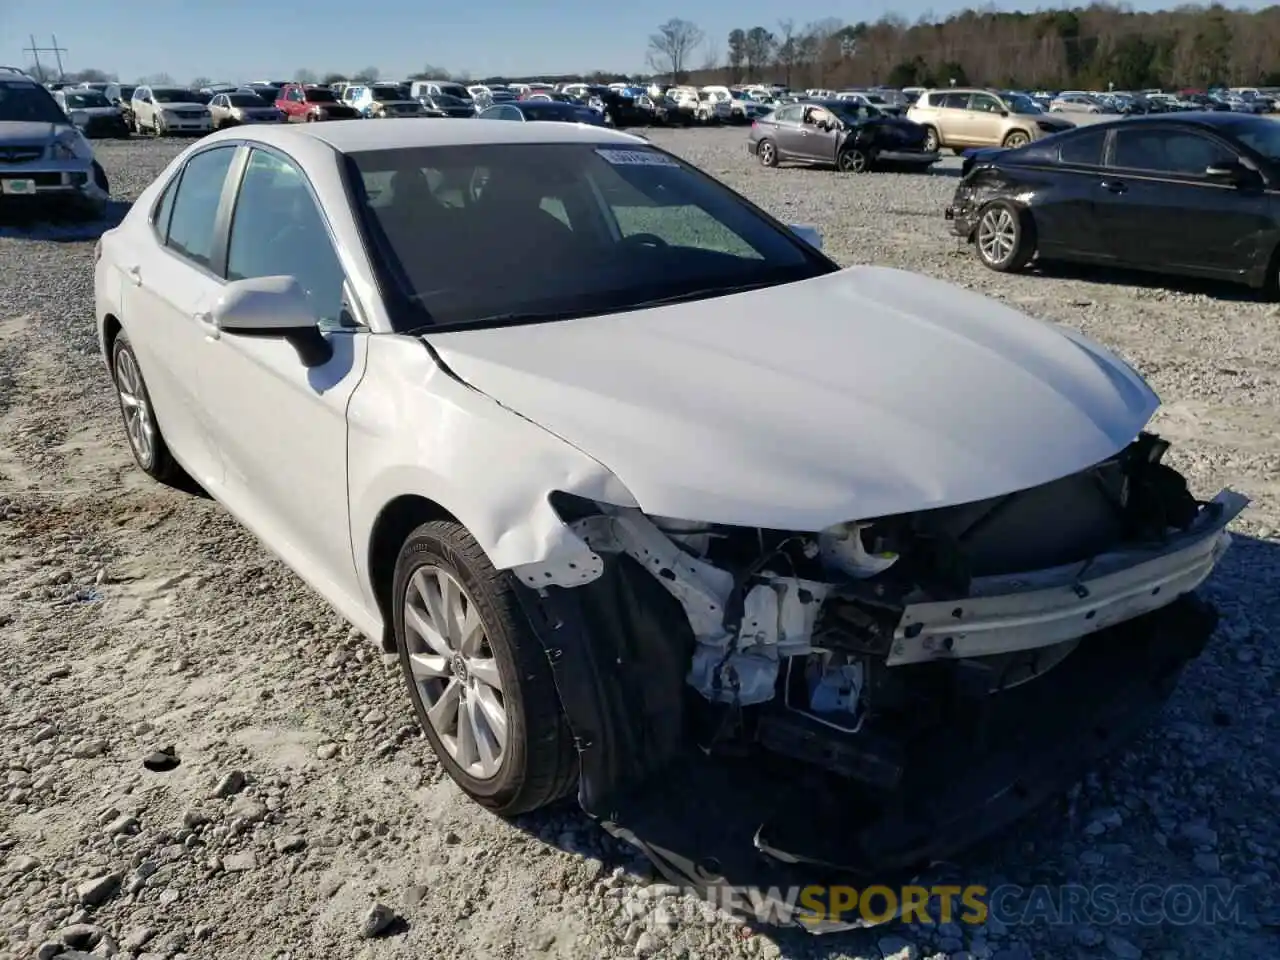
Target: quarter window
277	230
1084	149
195	206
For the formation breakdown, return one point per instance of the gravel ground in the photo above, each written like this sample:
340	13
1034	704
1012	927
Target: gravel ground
141	625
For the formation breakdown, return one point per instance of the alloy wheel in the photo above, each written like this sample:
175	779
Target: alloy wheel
1015	140
766	154
455	672
997	235
138	421
853	161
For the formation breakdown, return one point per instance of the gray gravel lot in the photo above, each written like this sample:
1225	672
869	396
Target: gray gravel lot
136	619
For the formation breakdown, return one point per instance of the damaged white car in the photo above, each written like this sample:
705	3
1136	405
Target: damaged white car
655	502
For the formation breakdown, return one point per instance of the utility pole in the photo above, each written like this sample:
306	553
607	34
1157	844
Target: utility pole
35	52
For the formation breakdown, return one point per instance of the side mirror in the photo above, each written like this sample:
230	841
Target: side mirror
808	233
1004	113
273	307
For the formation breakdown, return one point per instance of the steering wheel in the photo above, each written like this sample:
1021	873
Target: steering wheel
650	241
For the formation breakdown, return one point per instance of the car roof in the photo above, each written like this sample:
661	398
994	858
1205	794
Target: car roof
353	136
1222	120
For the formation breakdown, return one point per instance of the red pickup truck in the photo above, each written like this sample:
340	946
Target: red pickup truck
304	103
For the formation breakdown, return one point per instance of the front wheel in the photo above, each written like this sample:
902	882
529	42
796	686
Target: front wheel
931	142
1016	139
478	676
140	424
1005	236
854	160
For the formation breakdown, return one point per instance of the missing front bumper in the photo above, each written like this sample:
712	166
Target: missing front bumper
761	821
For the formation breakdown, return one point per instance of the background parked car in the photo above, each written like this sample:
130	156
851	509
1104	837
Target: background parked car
852	137
92	112
1076	102
542	111
120	95
232	109
165	111
381	101
306	104
444	105
1179	193
961	118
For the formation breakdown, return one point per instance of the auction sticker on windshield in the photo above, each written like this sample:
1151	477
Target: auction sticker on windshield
636	158
18	186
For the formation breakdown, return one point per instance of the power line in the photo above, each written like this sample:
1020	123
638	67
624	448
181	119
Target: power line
35	52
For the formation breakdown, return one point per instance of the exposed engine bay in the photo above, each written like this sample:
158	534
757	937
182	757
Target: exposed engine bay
848	651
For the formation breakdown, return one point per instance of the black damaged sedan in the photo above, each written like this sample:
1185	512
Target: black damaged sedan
852	137
1193	194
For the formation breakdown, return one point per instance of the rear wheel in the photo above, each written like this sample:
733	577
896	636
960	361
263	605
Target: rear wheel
478	676
768	153
140	424
1005	236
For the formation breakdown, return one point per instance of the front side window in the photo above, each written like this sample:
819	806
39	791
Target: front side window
195	206
1182	152
985	103
277	230
475	234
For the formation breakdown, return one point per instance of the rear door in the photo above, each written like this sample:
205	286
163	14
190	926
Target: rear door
1067	206
170	285
1159	210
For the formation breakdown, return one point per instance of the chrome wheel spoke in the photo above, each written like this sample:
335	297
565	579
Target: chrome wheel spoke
454	672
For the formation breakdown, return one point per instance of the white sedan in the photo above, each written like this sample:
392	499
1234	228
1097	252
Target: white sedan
602	450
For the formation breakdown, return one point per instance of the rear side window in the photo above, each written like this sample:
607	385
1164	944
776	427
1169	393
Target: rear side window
195	206
1084	149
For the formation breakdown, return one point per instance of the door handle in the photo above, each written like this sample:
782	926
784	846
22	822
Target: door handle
205	319
1115	186
134	274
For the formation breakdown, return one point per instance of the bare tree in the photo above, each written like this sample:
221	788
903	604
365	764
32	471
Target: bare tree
303	75
367	75
199	82
737	54
758	51
788	49
156	80
672	46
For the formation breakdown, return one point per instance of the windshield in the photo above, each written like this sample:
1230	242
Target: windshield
608	228
321	96
88	98
444	100
1261	134
385	93
853	112
126	93
874	98
26	101
168	95
453	90
246	100
1021	103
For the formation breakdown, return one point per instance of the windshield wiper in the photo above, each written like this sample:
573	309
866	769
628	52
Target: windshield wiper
703	294
504	320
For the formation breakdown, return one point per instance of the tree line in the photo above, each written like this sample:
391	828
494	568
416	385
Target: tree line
1091	47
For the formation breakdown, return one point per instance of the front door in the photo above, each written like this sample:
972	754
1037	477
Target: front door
281	426
1159	210
820	134
169	288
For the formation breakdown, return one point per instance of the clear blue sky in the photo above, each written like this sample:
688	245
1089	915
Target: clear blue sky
237	40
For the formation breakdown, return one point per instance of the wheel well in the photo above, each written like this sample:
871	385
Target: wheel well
398	519
110	330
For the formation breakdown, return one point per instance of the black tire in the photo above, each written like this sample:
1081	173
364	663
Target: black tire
932	143
540	764
1017	230
1015	139
100	178
767	151
159	465
854	160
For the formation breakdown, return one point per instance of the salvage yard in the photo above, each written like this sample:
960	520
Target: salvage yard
138	624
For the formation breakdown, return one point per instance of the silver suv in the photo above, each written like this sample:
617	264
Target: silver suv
45	161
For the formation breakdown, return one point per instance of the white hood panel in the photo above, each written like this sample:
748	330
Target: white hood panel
860	394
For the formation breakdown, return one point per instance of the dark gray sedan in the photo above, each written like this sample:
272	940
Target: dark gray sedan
852	137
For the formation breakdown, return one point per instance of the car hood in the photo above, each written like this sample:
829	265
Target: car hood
29	131
862	393
1051	120
182	105
98	111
